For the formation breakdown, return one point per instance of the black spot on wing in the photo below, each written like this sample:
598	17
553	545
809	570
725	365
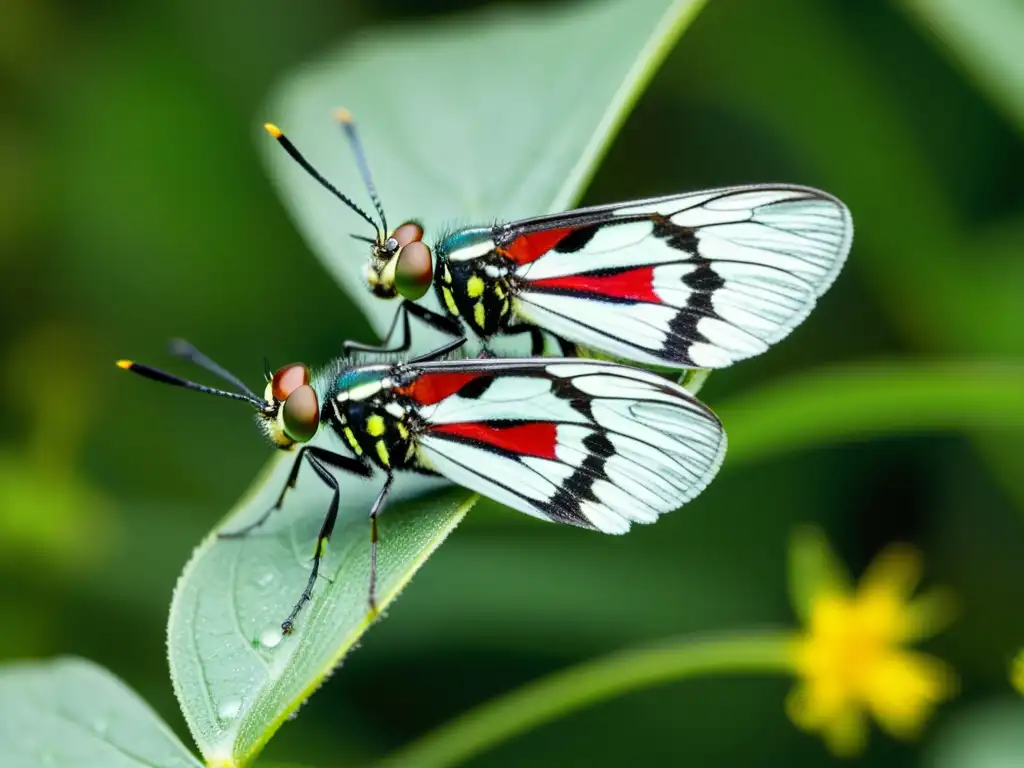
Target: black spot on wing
476	387
703	282
564	506
676	236
565	389
577	239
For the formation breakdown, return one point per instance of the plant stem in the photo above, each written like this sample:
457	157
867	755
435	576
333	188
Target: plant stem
591	682
867	398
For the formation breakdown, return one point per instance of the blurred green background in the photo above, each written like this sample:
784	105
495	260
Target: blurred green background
134	208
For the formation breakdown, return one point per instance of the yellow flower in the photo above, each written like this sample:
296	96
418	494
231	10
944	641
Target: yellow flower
852	658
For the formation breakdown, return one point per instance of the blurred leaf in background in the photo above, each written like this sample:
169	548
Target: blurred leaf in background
135	208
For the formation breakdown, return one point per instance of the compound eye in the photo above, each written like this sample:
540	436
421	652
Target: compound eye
286	380
414	270
407	233
301	414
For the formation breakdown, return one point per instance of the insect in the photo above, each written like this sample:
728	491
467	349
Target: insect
698	280
588	443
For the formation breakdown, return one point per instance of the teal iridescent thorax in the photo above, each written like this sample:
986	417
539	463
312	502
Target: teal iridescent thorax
355	379
463	238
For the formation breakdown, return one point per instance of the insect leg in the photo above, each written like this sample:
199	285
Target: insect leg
536	337
401	314
321	541
336	460
374	511
442	323
441	351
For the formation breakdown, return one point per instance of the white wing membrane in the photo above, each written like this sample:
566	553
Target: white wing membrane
593	444
699	280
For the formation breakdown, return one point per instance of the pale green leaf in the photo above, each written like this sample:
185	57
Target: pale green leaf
74	714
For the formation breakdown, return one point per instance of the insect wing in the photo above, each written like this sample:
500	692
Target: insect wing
592	444
698	280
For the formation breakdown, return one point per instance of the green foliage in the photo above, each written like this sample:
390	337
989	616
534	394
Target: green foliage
74	714
134	212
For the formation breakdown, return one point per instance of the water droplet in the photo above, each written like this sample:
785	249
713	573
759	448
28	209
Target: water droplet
100	726
229	709
271	637
265	579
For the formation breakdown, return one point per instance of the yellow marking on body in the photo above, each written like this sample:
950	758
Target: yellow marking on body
351	437
382	453
475	287
342	115
375	425
402	431
499	291
273	130
446	275
479	314
126	364
410	451
449	301
505	306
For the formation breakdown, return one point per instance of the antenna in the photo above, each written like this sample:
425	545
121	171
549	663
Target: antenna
274	131
181	348
344	117
166	378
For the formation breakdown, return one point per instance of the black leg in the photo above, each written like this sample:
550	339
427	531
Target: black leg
321	542
443	323
374	512
440	352
536	337
567	347
383	349
336	460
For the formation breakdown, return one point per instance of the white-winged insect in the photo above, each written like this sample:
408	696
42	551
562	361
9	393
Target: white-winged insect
697	280
583	442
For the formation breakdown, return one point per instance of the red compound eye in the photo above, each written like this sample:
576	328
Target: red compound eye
286	380
407	233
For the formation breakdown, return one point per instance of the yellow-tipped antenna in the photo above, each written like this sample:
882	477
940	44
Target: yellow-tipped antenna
290	148
168	378
344	117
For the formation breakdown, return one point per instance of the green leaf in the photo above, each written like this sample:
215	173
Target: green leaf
74	714
985	38
236	676
505	113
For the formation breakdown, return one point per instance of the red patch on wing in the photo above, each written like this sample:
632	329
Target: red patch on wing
431	388
533	439
527	248
634	284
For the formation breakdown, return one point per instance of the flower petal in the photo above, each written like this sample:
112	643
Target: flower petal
895	572
813	569
903	689
847	734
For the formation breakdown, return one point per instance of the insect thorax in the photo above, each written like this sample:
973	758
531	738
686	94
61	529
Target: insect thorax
477	290
374	425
